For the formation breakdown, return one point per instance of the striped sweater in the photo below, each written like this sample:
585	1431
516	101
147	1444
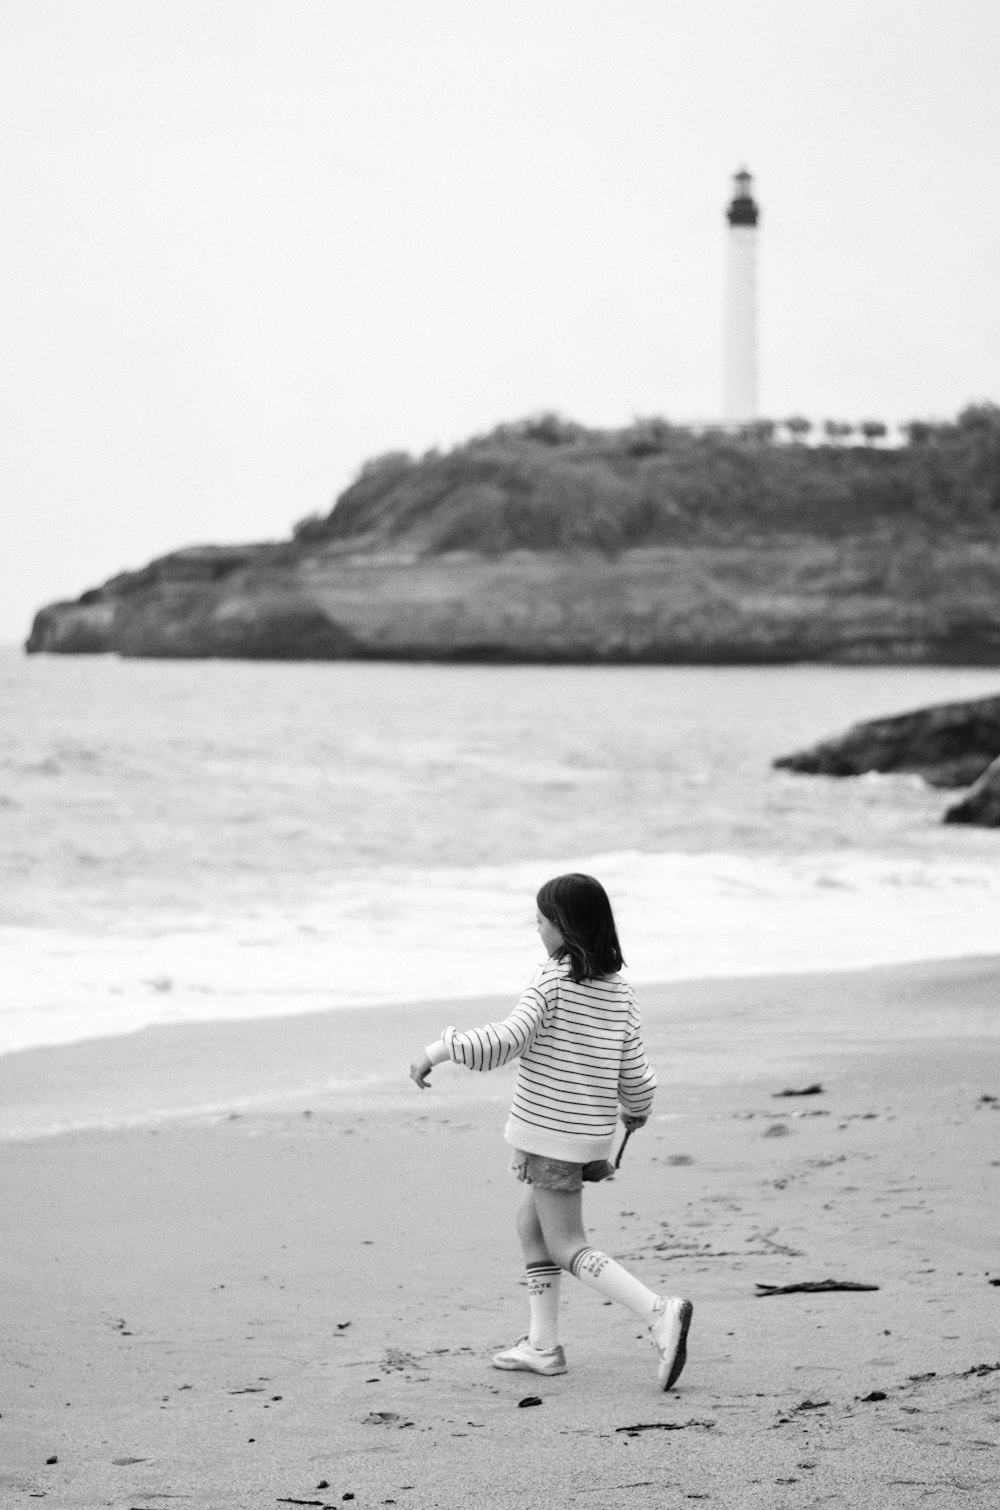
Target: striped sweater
580	1057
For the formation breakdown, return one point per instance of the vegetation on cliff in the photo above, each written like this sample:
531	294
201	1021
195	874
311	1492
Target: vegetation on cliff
548	484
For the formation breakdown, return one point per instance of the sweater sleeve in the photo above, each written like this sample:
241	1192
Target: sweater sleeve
497	1043
636	1080
437	1052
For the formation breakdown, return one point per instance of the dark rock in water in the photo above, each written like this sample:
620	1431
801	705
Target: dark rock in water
981	804
950	745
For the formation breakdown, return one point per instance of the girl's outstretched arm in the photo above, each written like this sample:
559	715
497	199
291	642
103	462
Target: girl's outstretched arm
497	1043
489	1047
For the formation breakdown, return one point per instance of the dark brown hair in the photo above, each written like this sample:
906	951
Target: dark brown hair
578	905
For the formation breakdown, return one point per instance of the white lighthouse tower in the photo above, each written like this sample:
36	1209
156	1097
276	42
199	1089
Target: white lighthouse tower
739	384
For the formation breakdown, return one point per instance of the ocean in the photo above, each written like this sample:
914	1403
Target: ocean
208	840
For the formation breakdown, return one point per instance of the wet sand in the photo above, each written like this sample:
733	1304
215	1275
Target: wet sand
284	1290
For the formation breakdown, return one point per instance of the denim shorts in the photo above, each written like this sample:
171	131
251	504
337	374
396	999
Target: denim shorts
548	1174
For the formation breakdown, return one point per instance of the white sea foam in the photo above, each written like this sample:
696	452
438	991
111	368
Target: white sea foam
183	841
403	934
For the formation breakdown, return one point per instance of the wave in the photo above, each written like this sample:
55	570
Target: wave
396	934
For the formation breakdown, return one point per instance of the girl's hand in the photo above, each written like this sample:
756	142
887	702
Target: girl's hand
631	1123
419	1070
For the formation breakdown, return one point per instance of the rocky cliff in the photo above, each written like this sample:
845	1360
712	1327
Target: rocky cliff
546	542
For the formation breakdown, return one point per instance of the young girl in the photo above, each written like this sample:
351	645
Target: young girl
576	1035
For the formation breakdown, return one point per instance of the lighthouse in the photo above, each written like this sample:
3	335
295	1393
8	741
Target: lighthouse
739	381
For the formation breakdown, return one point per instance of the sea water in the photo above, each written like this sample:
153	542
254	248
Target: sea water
207	840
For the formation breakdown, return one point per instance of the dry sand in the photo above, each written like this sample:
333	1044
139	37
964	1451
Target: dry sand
284	1291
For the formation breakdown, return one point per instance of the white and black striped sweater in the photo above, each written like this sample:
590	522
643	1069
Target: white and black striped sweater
580	1057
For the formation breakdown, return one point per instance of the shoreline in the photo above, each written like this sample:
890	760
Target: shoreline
300	1301
344	1057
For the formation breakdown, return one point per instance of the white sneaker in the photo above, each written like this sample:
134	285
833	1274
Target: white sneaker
531	1359
669	1332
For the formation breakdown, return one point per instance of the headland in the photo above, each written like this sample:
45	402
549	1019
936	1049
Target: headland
547	542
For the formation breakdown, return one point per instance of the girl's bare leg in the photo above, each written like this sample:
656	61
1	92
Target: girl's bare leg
560	1221
543	1276
529	1230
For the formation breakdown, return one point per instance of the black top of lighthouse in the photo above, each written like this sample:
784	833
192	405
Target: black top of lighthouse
743	208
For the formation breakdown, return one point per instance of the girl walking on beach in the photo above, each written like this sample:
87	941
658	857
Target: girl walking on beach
576	1035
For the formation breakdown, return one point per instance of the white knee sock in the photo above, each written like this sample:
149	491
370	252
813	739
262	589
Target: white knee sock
543	1305
609	1279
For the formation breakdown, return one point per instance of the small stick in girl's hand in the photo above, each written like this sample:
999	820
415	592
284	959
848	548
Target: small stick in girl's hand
628	1133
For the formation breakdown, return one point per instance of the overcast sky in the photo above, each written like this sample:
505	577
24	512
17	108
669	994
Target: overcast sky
249	243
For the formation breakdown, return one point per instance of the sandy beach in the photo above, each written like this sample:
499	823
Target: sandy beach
249	1264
